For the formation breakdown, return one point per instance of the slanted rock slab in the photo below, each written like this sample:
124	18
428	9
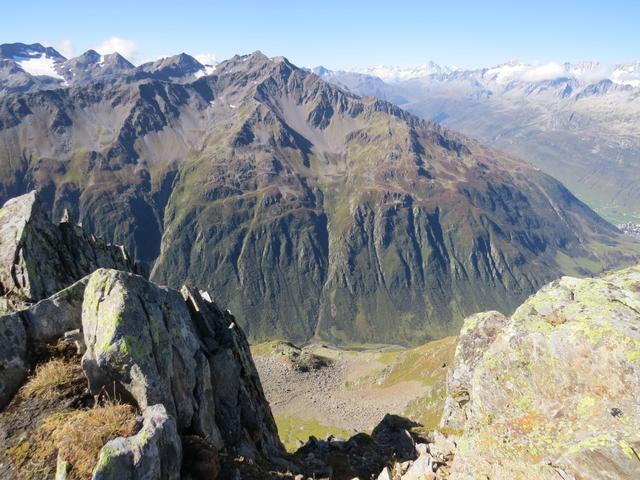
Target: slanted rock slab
556	393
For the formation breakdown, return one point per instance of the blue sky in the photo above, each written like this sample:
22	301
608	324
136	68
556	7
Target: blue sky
337	34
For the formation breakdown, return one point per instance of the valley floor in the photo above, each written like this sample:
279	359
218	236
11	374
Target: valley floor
354	390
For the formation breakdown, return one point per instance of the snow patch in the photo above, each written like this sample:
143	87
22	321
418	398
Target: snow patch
39	66
207	70
206	58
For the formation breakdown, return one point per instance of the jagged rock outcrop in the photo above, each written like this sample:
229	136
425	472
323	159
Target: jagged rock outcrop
243	415
153	346
175	356
555	393
39	258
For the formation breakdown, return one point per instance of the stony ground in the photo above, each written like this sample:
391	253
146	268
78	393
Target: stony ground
354	391
631	229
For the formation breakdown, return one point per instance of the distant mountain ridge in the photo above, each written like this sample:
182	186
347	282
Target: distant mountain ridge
33	67
308	210
589	71
578	122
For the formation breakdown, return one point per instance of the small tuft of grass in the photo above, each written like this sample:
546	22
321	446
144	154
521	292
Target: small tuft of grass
49	377
79	435
76	436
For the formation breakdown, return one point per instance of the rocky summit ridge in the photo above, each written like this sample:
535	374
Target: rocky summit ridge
310	211
39	258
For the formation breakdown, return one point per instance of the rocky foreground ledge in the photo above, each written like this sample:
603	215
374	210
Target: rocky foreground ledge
174	356
551	392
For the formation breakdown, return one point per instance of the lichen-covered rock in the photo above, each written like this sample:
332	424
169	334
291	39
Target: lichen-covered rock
151	346
49	319
38	258
13	357
556	393
154	453
478	332
140	341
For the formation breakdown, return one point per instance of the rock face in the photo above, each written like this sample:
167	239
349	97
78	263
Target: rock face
177	357
555	394
308	210
477	334
153	346
39	258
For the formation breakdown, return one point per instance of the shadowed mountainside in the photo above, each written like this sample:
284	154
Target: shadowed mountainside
309	211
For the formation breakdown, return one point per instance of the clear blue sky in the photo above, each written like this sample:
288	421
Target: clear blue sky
339	34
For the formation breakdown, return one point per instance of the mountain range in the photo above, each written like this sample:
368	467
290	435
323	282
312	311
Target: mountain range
577	122
308	210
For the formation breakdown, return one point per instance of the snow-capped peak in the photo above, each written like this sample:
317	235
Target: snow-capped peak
589	72
398	74
512	71
33	59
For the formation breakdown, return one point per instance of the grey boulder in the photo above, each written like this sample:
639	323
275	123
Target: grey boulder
154	453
